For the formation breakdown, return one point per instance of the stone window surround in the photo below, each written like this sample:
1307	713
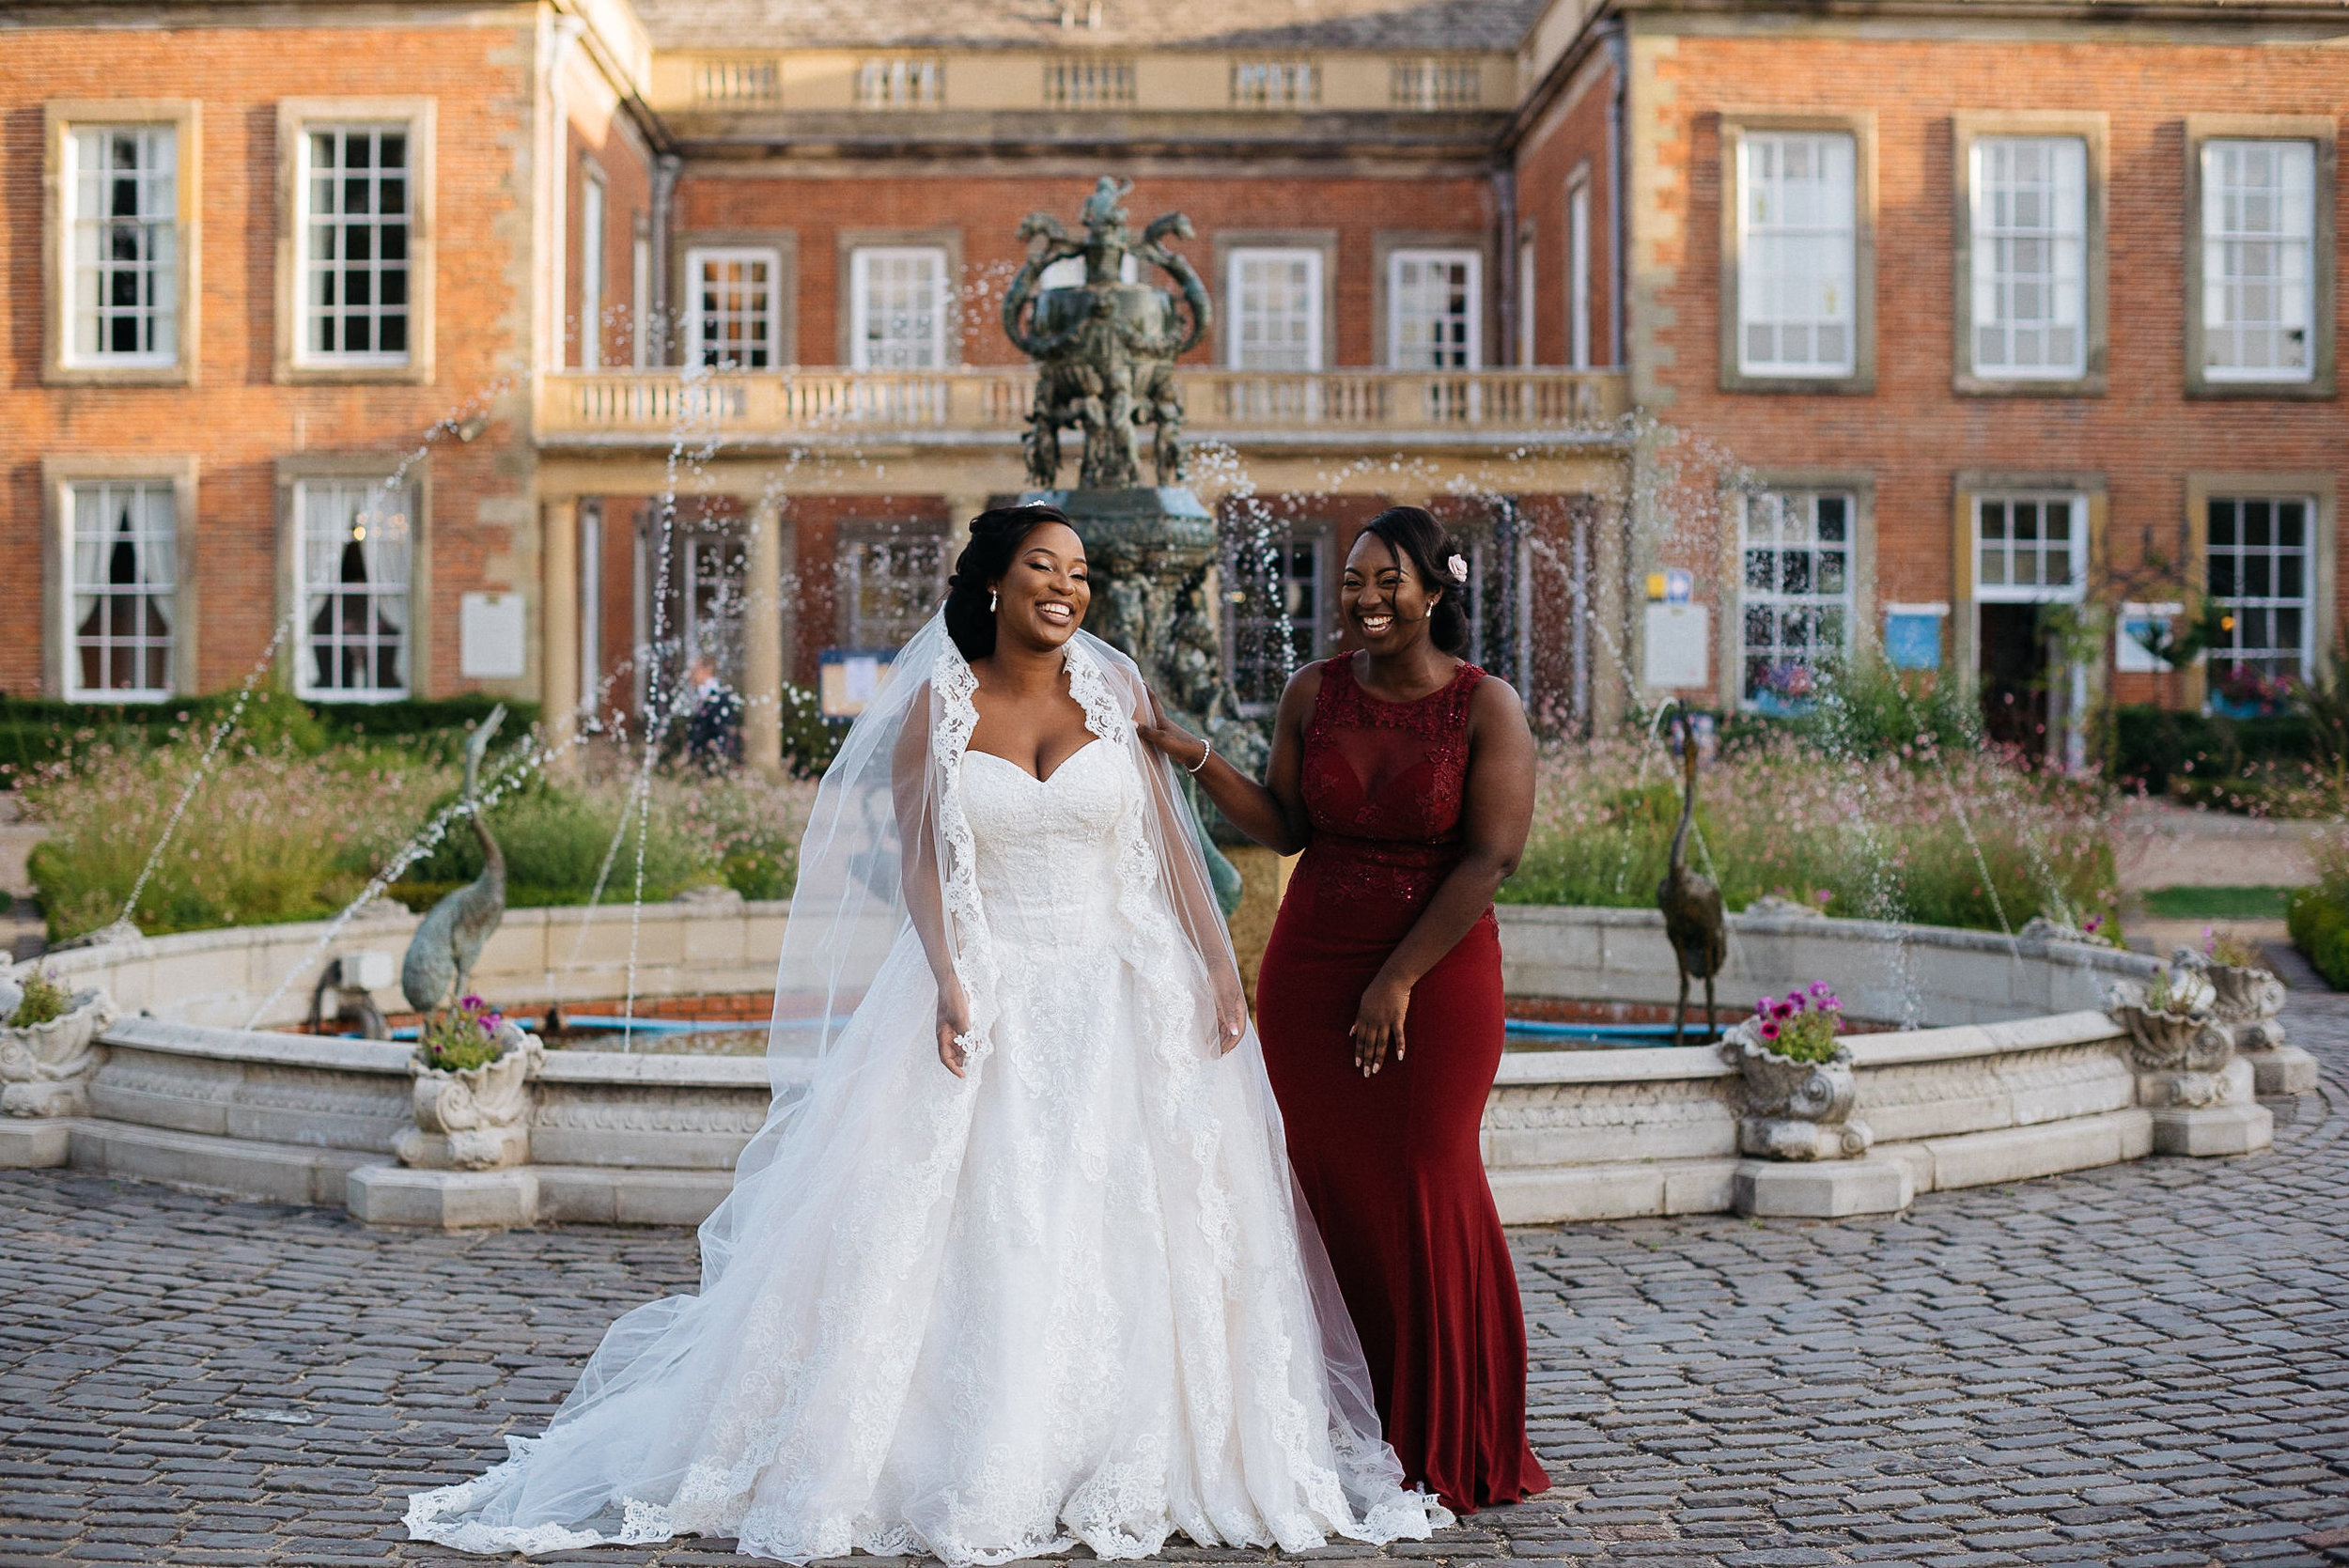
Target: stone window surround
2320	128
1386	242
58	117
850	533
1219	280
1860	125
1963	653
2324	558
784	242
291	473
58	476
1967	127
848	242
294	115
1729	642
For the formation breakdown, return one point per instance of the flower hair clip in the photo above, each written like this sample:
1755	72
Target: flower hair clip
1458	567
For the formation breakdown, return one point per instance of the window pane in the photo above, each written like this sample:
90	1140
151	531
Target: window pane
898	297
123	240
356	298
2029	223
2257	255
1795	595
2258	571
1797	227
353	567
121	579
1276	310
1433	310
734	314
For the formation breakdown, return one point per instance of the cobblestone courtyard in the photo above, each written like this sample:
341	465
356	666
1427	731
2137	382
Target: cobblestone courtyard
2147	1365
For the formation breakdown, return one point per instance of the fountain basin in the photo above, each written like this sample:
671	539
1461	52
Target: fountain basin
2016	1072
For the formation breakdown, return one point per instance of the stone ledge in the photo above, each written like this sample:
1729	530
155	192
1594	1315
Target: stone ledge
235	1167
611	1196
2207	1131
268	1047
1823	1189
1550	1194
2019	1154
28	1143
442	1200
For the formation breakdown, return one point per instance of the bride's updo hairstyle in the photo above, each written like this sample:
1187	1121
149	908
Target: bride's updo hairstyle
995	538
1415	534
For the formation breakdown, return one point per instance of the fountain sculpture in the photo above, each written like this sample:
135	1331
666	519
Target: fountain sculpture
446	947
1105	353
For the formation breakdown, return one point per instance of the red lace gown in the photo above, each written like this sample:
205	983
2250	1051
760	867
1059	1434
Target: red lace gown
1392	1164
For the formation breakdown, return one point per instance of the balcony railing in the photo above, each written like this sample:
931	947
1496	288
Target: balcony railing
628	408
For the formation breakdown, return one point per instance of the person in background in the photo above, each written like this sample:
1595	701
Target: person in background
713	734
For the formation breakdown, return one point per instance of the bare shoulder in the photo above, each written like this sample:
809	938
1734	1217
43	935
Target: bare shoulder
1495	698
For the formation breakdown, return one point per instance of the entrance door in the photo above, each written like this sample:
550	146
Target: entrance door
2015	666
2031	550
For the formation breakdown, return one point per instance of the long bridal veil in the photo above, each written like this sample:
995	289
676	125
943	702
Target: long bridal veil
766	1404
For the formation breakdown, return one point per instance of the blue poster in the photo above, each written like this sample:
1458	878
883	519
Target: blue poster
1913	642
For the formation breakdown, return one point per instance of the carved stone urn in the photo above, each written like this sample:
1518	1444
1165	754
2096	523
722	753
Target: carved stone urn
45	1068
2248	1000
1790	1110
475	1118
2186	1070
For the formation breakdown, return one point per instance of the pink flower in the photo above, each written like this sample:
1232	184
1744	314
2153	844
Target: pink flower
1761	1008
1785	1009
1769	1029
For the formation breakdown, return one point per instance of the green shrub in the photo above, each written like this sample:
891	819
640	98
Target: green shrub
2153	747
45	999
2319	923
1879	840
555	841
270	836
1866	708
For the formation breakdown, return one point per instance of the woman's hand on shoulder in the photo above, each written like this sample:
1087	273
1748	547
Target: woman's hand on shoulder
1186	750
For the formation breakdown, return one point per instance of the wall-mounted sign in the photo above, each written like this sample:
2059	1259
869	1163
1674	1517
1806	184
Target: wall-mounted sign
1679	646
847	677
2137	625
491	636
1672	585
1912	635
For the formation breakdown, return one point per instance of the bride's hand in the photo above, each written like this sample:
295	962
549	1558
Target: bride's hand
1186	750
954	1020
1379	1024
1231	1011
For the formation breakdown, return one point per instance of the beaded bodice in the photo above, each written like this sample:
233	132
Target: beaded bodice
1384	785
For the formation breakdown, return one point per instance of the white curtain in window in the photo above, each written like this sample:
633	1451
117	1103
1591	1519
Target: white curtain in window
355	548
2259	238
2030	220
1797	265
898	308
124	571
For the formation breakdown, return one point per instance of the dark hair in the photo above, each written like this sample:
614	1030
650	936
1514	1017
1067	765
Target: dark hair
1413	532
995	537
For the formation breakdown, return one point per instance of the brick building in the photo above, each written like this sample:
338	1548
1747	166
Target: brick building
533	346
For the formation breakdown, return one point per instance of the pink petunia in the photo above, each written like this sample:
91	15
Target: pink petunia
1769	1029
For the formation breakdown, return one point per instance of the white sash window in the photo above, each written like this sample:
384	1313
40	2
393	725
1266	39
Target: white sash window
353	546
125	570
898	309
122	196
354	222
1797	265
2259	564
2030	548
1275	300
731	312
2029	223
2259	241
1435	310
1794	599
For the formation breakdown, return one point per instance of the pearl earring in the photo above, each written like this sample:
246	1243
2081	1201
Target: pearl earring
990	601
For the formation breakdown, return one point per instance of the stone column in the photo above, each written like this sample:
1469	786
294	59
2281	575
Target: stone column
558	619
762	638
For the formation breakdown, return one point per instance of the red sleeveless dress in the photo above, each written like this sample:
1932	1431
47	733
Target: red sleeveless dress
1392	1164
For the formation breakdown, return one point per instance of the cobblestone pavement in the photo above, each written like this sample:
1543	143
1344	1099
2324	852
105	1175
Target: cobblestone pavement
2142	1366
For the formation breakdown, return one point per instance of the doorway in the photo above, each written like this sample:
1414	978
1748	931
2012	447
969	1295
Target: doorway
2015	664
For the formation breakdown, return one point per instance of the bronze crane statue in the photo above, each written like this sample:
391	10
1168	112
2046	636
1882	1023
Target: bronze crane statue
442	953
1691	903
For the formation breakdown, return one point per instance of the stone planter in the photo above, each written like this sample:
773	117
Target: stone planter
2186	1069
2248	1000
477	1119
1790	1110
45	1068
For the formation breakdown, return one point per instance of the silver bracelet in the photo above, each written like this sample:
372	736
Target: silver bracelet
1204	755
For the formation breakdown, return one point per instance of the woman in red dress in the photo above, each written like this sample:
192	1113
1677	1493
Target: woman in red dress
1405	774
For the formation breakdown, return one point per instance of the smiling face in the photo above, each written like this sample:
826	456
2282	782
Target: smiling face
1385	601
1043	597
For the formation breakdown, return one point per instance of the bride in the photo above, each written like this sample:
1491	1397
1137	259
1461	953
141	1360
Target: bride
1016	1261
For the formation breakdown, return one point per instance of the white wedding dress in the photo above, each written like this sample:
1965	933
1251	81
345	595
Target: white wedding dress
1064	1298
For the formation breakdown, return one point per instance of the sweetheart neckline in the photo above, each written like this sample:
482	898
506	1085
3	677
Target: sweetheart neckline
1034	779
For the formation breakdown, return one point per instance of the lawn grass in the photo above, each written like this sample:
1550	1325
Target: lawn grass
2219	903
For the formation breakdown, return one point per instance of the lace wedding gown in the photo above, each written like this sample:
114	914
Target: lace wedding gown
1062	1299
